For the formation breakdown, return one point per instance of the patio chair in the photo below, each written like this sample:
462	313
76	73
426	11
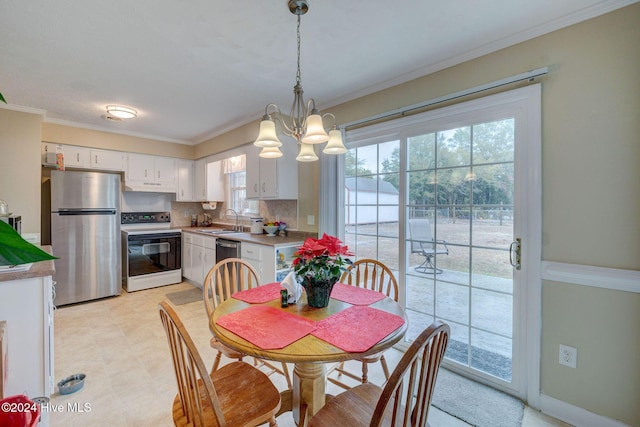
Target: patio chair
235	395
423	243
225	278
374	275
370	405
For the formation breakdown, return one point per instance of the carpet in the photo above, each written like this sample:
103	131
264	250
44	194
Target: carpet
475	403
185	297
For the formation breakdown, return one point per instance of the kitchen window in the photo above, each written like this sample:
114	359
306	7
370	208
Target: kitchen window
236	182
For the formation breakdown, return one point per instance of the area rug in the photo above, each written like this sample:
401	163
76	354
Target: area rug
185	297
475	403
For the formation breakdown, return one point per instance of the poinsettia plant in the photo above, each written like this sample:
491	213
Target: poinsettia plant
322	259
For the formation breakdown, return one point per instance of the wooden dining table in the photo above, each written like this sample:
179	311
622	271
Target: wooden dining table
309	354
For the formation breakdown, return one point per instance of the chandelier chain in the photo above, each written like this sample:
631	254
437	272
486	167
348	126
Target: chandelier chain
298	77
306	123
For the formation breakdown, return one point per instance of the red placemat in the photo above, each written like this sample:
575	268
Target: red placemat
355	295
267	327
259	294
357	328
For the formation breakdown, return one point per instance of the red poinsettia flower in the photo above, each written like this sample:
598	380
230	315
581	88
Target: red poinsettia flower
334	246
321	258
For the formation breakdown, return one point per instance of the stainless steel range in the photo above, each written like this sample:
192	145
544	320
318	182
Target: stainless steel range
151	252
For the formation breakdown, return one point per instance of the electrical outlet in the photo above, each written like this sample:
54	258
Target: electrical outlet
568	356
311	219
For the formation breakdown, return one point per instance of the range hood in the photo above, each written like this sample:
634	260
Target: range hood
149	187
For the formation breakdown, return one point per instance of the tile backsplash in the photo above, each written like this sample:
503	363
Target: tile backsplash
181	213
270	210
280	210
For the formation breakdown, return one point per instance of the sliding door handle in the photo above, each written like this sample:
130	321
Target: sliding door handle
516	247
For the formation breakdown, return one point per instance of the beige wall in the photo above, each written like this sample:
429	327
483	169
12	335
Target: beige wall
20	137
603	325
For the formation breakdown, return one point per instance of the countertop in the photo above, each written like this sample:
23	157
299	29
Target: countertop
38	269
293	238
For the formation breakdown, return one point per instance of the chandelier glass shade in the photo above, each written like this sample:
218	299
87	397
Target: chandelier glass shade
304	123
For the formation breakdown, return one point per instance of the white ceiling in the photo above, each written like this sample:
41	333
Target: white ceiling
195	69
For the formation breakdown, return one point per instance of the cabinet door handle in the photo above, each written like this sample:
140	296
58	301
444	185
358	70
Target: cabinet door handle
78	157
145	173
158	174
96	158
255	188
263	187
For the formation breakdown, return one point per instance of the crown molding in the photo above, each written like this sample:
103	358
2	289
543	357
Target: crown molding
23	109
119	132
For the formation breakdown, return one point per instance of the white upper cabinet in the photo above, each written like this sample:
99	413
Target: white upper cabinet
200	181
165	169
107	160
151	173
76	157
185	181
272	178
209	181
83	157
215	182
140	167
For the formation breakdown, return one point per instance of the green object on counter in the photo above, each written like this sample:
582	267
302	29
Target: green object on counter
15	250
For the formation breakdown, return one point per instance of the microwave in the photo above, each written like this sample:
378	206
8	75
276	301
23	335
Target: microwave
14	221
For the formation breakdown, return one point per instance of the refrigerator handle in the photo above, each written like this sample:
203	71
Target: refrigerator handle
63	212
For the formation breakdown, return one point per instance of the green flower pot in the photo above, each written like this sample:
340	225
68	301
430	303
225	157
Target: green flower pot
318	291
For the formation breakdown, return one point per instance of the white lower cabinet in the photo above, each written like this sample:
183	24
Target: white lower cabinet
26	305
272	263
259	256
198	256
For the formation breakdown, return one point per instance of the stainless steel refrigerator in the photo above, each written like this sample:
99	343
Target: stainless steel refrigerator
85	235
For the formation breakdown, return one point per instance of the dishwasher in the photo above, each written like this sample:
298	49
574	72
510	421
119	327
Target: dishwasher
227	249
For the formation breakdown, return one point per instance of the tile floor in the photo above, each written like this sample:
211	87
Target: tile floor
120	345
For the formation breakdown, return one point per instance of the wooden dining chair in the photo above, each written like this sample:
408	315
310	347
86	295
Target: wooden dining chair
396	404
373	275
235	395
224	279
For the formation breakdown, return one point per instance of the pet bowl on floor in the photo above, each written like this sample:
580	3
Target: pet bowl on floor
71	384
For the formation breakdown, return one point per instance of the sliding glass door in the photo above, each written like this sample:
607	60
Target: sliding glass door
460	215
439	198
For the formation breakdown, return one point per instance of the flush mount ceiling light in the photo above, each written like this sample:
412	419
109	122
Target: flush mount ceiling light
119	112
304	123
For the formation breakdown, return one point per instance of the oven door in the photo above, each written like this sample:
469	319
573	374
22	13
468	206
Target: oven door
153	253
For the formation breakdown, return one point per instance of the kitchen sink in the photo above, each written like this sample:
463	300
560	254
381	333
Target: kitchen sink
219	231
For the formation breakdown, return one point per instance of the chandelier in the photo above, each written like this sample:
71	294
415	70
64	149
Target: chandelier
305	123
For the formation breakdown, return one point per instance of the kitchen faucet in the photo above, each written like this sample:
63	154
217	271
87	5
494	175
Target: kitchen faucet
237	226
